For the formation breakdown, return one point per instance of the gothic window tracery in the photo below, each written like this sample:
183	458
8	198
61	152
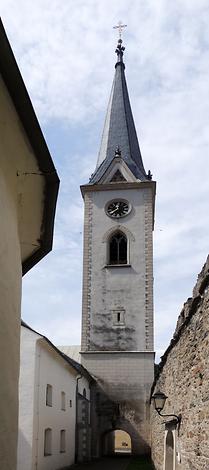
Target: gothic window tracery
118	248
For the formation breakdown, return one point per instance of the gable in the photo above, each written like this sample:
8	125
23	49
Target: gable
117	177
118	171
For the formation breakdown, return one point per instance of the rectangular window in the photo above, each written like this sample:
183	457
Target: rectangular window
63	401
62	440
118	317
47	441
49	395
70	403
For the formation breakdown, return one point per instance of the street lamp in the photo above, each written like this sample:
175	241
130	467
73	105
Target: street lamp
159	399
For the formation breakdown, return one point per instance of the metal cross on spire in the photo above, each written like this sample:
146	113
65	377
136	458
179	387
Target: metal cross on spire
120	49
120	28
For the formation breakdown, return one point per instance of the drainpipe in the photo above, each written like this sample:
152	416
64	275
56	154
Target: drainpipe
37	391
76	419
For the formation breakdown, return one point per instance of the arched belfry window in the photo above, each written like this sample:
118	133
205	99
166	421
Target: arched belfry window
118	248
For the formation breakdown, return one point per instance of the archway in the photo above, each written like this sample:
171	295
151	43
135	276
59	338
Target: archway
122	444
117	442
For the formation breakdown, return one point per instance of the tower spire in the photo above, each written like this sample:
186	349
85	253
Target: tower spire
119	128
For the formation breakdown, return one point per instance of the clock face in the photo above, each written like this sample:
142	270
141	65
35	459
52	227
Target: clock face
118	209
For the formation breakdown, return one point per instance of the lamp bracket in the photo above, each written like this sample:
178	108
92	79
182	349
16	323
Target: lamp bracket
176	419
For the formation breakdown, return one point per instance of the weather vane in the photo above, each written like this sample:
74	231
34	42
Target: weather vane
120	28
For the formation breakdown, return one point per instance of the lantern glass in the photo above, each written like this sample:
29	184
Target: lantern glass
159	400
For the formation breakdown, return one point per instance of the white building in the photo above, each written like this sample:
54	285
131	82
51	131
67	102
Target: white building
47	404
83	399
28	192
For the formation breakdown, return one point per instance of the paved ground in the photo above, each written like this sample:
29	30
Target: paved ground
118	463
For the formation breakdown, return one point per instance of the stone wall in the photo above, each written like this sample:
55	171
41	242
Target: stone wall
183	375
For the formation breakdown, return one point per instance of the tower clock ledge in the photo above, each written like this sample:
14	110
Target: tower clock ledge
119	185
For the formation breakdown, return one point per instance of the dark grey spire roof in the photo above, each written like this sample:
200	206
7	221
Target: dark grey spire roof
119	129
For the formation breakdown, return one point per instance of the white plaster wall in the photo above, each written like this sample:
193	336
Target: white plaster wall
21	206
21	170
55	371
10	300
42	365
26	398
124	287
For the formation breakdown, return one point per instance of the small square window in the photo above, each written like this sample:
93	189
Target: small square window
118	317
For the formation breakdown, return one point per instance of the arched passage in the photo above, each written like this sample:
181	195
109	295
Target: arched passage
117	442
122	442
105	440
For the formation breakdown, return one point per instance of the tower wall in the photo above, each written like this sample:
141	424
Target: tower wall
126	288
120	357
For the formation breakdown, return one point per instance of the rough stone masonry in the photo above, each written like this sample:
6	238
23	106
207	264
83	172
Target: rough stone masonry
183	375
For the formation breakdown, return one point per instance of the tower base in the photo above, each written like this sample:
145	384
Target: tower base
120	397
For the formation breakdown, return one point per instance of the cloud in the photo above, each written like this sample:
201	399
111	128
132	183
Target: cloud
56	41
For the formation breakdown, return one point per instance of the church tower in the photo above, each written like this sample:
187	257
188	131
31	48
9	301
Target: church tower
117	312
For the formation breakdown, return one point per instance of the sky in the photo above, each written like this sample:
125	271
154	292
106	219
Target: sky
65	51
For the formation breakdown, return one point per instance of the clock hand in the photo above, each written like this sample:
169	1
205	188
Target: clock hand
112	212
